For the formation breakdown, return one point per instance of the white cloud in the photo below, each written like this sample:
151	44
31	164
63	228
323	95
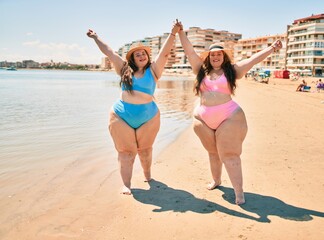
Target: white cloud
31	43
60	52
29	33
60	46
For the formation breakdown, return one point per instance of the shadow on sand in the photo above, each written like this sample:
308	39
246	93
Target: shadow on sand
265	206
170	199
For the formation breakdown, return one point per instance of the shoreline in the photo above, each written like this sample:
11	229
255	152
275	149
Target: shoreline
167	72
188	75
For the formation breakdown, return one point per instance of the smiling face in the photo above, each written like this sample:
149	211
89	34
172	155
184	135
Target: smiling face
216	58
140	58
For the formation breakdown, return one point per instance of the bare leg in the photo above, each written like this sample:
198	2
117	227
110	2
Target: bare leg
208	140
230	136
216	170
125	143
126	162
145	156
234	170
145	136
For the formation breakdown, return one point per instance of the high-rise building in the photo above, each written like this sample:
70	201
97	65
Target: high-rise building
201	39
305	45
155	43
30	64
106	63
245	48
124	49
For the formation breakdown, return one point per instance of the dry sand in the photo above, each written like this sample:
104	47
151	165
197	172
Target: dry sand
283	164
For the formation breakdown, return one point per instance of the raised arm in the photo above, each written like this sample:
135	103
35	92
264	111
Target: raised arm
162	57
245	65
195	61
117	61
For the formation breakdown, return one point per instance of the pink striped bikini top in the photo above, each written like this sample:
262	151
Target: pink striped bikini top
218	85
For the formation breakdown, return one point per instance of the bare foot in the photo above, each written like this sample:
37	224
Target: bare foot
239	198
213	185
147	176
126	191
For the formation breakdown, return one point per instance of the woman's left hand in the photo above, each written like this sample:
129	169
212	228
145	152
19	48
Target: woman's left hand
276	45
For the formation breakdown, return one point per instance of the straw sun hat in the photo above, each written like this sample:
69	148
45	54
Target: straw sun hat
137	46
214	48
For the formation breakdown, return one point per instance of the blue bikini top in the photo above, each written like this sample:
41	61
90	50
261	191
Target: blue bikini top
145	84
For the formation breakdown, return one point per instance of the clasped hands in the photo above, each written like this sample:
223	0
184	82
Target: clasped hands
177	27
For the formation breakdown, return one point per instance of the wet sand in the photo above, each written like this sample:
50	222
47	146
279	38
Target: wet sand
283	179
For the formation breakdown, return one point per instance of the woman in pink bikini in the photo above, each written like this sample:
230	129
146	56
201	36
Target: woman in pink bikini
219	122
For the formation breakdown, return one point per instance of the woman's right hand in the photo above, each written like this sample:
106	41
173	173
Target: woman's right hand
92	34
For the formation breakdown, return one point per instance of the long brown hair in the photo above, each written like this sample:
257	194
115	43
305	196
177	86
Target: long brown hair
128	70
206	68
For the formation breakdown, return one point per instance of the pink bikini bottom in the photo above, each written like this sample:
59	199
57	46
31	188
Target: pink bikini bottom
213	116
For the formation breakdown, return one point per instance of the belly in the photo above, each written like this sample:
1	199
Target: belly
214	98
136	97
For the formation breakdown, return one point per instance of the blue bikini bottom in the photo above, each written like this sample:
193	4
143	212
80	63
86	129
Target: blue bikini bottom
135	115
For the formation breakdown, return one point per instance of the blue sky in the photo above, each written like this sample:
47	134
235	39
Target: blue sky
42	30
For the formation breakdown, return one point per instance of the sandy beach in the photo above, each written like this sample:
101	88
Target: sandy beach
283	164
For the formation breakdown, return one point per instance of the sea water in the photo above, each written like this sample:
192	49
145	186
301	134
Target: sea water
52	118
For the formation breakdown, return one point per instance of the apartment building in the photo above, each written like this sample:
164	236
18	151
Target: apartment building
30	64
172	54
305	45
122	51
155	43
245	48
201	39
106	63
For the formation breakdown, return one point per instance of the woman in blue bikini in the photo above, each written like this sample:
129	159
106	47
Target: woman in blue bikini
135	118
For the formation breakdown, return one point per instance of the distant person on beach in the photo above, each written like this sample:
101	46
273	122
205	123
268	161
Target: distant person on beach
219	122
135	118
319	85
301	86
266	81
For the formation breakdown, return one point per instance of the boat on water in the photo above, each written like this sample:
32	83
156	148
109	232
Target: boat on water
12	68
